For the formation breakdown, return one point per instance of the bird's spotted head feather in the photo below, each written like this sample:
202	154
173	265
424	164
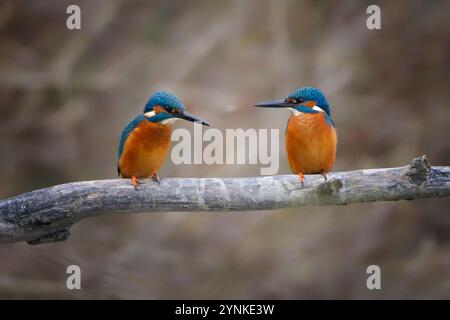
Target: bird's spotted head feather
165	107
163	99
303	100
309	96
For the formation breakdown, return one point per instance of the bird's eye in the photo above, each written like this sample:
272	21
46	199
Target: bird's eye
293	100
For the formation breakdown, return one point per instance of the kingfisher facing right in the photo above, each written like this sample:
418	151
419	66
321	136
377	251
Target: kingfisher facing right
311	137
145	141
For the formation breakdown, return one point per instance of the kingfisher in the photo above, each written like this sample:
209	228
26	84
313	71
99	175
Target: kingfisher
145	141
310	136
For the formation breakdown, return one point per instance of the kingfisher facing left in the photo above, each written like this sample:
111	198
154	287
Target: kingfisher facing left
145	141
310	137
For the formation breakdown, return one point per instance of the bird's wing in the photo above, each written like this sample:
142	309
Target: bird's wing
126	133
329	120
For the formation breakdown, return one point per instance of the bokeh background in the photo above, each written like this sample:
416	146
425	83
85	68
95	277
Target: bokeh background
66	95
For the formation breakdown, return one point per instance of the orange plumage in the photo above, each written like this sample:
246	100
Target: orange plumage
310	143
310	134
145	141
145	150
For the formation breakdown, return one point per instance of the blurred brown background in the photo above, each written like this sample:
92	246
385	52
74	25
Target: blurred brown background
66	95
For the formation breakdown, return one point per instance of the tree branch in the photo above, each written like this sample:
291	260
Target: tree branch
46	215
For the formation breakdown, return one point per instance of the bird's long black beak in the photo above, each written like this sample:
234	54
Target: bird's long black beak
274	104
190	117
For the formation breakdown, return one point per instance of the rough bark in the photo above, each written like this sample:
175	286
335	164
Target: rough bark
46	215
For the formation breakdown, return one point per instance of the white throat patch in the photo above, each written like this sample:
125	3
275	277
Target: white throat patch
169	121
295	112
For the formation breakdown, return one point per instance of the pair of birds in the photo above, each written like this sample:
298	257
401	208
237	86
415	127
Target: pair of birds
310	134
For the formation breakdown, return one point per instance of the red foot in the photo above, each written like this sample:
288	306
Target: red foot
156	178
302	178
134	181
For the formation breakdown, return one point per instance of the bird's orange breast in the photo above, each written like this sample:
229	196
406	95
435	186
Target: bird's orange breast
310	143
145	150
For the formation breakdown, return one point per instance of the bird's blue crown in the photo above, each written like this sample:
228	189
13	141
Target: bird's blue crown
314	94
163	99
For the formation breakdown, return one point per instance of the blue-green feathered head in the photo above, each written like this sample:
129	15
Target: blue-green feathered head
303	100
164	99
308	95
164	107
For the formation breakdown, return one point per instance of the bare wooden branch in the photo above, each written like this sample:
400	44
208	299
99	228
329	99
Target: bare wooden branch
46	215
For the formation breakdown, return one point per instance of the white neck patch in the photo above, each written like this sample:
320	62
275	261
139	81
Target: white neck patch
318	109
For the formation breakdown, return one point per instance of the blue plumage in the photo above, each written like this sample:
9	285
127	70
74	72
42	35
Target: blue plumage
312	94
143	156
126	132
161	98
164	99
